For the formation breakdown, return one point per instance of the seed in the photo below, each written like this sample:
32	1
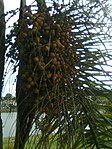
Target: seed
34	43
57	5
28	86
24	34
32	83
23	76
54	45
54	61
28	14
58	26
50	97
65	67
41	18
36	91
36	59
59	44
63	33
49	75
37	39
40	22
30	22
62	6
29	79
67	36
52	54
35	29
46	48
54	76
53	32
36	24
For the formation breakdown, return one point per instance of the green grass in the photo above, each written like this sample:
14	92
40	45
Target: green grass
8	111
8	144
33	140
31	143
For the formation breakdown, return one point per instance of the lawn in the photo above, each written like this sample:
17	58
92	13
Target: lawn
31	144
8	144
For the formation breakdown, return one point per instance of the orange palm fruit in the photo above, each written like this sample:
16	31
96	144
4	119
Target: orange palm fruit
24	34
37	39
36	24
57	5
36	59
49	75
58	26
46	48
54	61
36	91
52	54
32	83
28	14
29	79
24	76
59	44
63	33
28	86
40	22
54	45
35	29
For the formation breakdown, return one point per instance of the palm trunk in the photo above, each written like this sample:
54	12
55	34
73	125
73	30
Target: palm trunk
24	120
24	116
2	59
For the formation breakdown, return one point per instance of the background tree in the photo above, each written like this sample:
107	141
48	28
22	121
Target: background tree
2	53
61	52
8	96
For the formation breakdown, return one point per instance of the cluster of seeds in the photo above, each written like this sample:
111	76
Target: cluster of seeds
48	58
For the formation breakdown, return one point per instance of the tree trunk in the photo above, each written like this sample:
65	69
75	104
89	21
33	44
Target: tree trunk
2	59
25	110
24	115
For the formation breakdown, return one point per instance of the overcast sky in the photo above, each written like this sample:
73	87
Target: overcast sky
13	4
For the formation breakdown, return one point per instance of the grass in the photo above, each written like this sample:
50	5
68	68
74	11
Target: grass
8	111
31	144
33	140
8	143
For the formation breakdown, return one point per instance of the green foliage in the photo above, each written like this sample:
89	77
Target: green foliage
8	96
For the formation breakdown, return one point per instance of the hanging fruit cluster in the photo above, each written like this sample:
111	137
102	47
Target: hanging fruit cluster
48	58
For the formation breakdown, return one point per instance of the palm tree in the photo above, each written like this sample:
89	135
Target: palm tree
2	53
61	52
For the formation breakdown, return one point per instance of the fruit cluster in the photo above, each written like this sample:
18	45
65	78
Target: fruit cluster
48	58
